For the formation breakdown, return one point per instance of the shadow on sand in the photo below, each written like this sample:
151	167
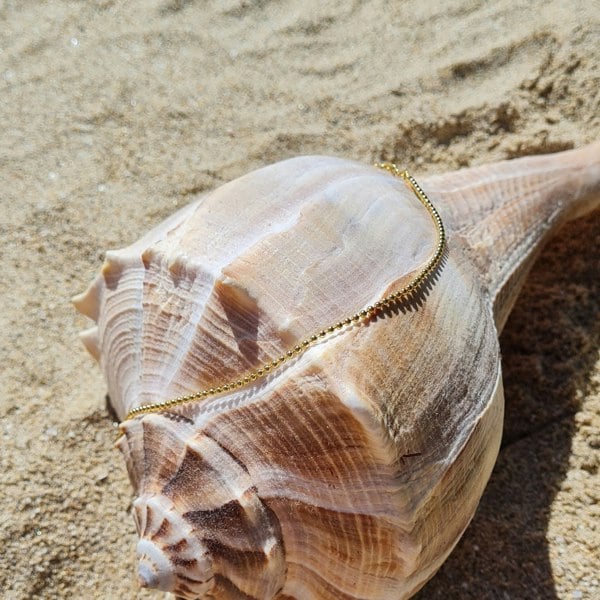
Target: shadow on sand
549	346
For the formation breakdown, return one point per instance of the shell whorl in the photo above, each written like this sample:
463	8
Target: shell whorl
203	528
204	279
170	557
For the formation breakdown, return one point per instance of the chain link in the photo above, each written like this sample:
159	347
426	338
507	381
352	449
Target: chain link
359	317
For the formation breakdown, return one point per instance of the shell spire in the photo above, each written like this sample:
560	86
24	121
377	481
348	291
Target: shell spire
352	470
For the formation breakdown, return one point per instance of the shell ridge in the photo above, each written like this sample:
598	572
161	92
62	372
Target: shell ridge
200	287
121	338
162	252
127	263
332	591
89	301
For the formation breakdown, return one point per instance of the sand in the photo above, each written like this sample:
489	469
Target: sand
114	113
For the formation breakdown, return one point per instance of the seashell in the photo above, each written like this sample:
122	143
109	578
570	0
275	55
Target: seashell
352	470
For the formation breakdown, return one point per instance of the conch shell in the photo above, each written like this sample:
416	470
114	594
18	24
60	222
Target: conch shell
352	470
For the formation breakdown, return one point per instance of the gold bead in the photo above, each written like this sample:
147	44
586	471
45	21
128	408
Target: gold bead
389	300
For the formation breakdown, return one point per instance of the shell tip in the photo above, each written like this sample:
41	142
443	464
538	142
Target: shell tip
89	337
88	302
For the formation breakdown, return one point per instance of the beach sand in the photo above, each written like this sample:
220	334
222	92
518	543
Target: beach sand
115	113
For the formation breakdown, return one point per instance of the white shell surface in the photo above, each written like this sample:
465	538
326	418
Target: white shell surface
254	268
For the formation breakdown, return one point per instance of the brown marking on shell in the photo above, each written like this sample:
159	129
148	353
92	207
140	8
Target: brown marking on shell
216	505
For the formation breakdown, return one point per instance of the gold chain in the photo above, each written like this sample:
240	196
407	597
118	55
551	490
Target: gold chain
359	317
